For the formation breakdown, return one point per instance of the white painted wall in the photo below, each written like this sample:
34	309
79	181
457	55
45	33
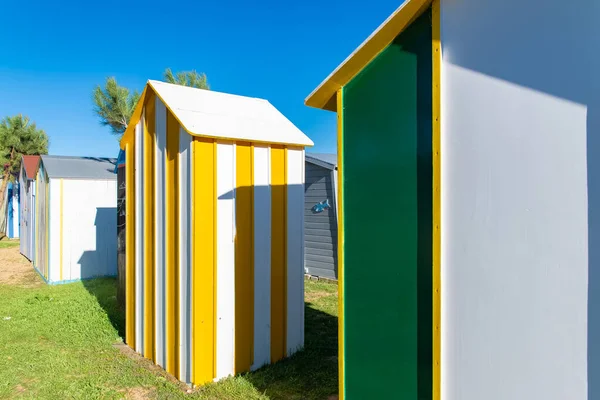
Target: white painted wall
89	228
520	121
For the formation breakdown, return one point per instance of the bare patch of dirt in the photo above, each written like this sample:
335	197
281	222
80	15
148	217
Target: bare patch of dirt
139	393
334	397
15	269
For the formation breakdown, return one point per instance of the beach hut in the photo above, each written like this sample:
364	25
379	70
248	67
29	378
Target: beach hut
320	215
27	174
469	199
214	232
76	218
12	210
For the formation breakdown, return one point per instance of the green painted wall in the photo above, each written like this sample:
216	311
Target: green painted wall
387	194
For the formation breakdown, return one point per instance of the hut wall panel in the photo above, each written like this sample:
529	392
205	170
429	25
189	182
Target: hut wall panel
214	184
41	226
295	250
130	246
244	256
278	252
149	124
262	256
204	260
89	244
225	259
139	238
25	214
323	223
55	270
159	240
387	253
520	197
185	234
172	191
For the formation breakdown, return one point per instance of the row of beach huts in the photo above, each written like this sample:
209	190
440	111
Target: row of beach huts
469	263
66	210
211	212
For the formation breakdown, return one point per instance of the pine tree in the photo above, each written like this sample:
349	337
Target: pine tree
187	78
114	105
18	136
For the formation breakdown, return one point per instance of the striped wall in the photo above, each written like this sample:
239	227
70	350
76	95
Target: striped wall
215	259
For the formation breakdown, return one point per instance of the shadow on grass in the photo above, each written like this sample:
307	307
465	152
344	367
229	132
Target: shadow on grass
105	291
311	373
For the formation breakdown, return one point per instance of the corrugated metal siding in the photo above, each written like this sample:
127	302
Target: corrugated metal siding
320	229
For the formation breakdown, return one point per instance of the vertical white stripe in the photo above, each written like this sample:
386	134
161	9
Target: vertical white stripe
225	260
262	256
185	152
295	250
139	237
159	238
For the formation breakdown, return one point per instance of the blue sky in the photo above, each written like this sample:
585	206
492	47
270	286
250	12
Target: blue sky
54	53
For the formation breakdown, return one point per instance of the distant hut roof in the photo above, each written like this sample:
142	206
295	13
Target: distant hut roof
31	165
80	167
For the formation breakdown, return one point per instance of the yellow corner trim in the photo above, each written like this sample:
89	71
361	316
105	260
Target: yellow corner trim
324	96
436	149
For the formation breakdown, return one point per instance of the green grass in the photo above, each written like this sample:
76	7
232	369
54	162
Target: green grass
58	342
8	243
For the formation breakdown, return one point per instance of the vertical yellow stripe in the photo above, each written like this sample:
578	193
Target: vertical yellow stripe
436	148
340	210
215	259
130	245
244	258
149	137
203	260
172	246
61	228
278	246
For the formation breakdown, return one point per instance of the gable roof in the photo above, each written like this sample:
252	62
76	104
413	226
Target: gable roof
211	114
325	160
324	96
31	165
80	167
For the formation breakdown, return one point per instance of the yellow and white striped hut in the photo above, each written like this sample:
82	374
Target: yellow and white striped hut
214	232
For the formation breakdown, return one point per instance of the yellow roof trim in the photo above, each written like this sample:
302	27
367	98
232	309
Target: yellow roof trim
135	118
324	96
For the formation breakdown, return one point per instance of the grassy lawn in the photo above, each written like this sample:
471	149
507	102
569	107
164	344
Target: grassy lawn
8	243
64	341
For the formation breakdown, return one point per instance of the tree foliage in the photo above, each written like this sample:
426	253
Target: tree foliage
19	136
187	78
114	105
